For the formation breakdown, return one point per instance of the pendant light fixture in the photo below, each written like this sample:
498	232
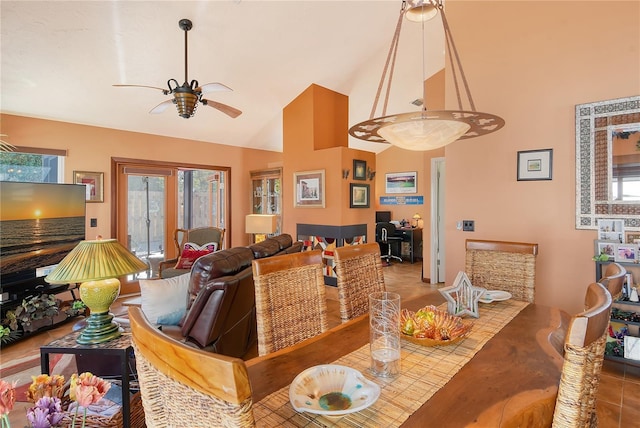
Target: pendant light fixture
426	129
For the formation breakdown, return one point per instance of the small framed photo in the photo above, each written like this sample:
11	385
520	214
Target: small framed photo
626	252
611	230
632	238
359	169
359	195
94	183
310	189
535	165
607	248
401	182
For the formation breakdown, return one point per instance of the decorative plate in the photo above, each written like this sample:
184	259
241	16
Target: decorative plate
495	296
332	390
430	326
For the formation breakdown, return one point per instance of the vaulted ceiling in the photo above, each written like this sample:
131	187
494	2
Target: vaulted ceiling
61	58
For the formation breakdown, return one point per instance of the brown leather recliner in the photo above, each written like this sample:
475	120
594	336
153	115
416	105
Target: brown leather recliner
221	308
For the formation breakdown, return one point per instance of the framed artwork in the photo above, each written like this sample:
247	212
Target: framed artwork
535	165
605	247
626	252
310	190
632	237
94	183
611	229
401	182
359	195
359	169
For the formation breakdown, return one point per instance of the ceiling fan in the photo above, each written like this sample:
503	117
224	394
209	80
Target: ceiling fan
187	96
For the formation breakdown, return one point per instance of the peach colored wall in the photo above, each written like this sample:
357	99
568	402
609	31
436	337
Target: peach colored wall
91	148
531	62
315	135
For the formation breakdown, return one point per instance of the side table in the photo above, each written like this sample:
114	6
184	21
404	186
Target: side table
120	347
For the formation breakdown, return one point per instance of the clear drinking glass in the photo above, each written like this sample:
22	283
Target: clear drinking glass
384	331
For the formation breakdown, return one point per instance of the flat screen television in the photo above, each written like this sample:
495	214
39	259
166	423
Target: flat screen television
40	223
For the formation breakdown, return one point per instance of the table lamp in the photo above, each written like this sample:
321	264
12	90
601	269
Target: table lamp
97	266
260	225
416	218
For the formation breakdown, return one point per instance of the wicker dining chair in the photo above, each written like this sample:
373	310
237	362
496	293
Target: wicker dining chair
583	356
613	279
183	386
501	265
359	273
290	299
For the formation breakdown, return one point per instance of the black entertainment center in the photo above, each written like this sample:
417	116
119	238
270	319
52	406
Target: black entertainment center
40	223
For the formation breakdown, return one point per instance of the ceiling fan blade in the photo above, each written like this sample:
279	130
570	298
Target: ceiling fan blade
161	107
213	87
165	91
228	110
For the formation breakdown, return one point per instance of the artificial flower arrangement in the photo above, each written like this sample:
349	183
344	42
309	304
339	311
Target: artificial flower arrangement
47	393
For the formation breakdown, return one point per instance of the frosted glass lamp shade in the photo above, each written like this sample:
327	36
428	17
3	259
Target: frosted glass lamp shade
423	133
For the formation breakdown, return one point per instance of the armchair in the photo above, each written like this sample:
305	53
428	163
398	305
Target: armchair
198	236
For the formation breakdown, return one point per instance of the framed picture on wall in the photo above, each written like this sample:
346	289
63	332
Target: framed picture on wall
94	183
309	187
535	165
401	182
359	169
359	195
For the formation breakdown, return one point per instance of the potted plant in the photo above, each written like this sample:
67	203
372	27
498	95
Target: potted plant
37	311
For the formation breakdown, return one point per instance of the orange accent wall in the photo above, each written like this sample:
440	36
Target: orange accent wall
91	148
315	137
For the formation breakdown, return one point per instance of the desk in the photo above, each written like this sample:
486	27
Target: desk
523	360
414	238
120	347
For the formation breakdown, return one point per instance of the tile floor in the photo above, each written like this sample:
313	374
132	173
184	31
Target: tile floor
618	396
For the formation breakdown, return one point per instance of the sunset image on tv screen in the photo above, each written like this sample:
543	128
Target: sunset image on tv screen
40	224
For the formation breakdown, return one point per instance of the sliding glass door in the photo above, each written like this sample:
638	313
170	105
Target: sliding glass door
154	199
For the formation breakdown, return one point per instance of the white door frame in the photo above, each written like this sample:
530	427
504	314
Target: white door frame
437	220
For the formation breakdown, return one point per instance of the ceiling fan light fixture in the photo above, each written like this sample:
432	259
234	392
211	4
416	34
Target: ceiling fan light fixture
186	103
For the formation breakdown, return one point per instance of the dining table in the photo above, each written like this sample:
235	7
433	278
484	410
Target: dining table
503	375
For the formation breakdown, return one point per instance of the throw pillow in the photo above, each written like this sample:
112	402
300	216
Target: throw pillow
192	252
164	301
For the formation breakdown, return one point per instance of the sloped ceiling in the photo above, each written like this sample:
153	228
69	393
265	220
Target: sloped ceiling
61	58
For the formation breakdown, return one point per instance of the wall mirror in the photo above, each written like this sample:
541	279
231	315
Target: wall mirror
608	162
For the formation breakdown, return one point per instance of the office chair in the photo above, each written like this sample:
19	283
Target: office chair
386	235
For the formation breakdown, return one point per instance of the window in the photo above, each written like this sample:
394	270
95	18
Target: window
32	165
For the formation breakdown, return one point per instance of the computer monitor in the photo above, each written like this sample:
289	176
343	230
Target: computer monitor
383	216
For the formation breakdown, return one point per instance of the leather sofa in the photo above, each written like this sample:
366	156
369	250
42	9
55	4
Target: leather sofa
221	310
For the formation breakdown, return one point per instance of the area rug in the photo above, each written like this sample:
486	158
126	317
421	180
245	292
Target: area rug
22	371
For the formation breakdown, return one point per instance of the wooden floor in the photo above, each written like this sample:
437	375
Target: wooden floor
618	395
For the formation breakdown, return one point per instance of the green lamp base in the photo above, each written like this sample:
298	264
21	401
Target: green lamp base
100	328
